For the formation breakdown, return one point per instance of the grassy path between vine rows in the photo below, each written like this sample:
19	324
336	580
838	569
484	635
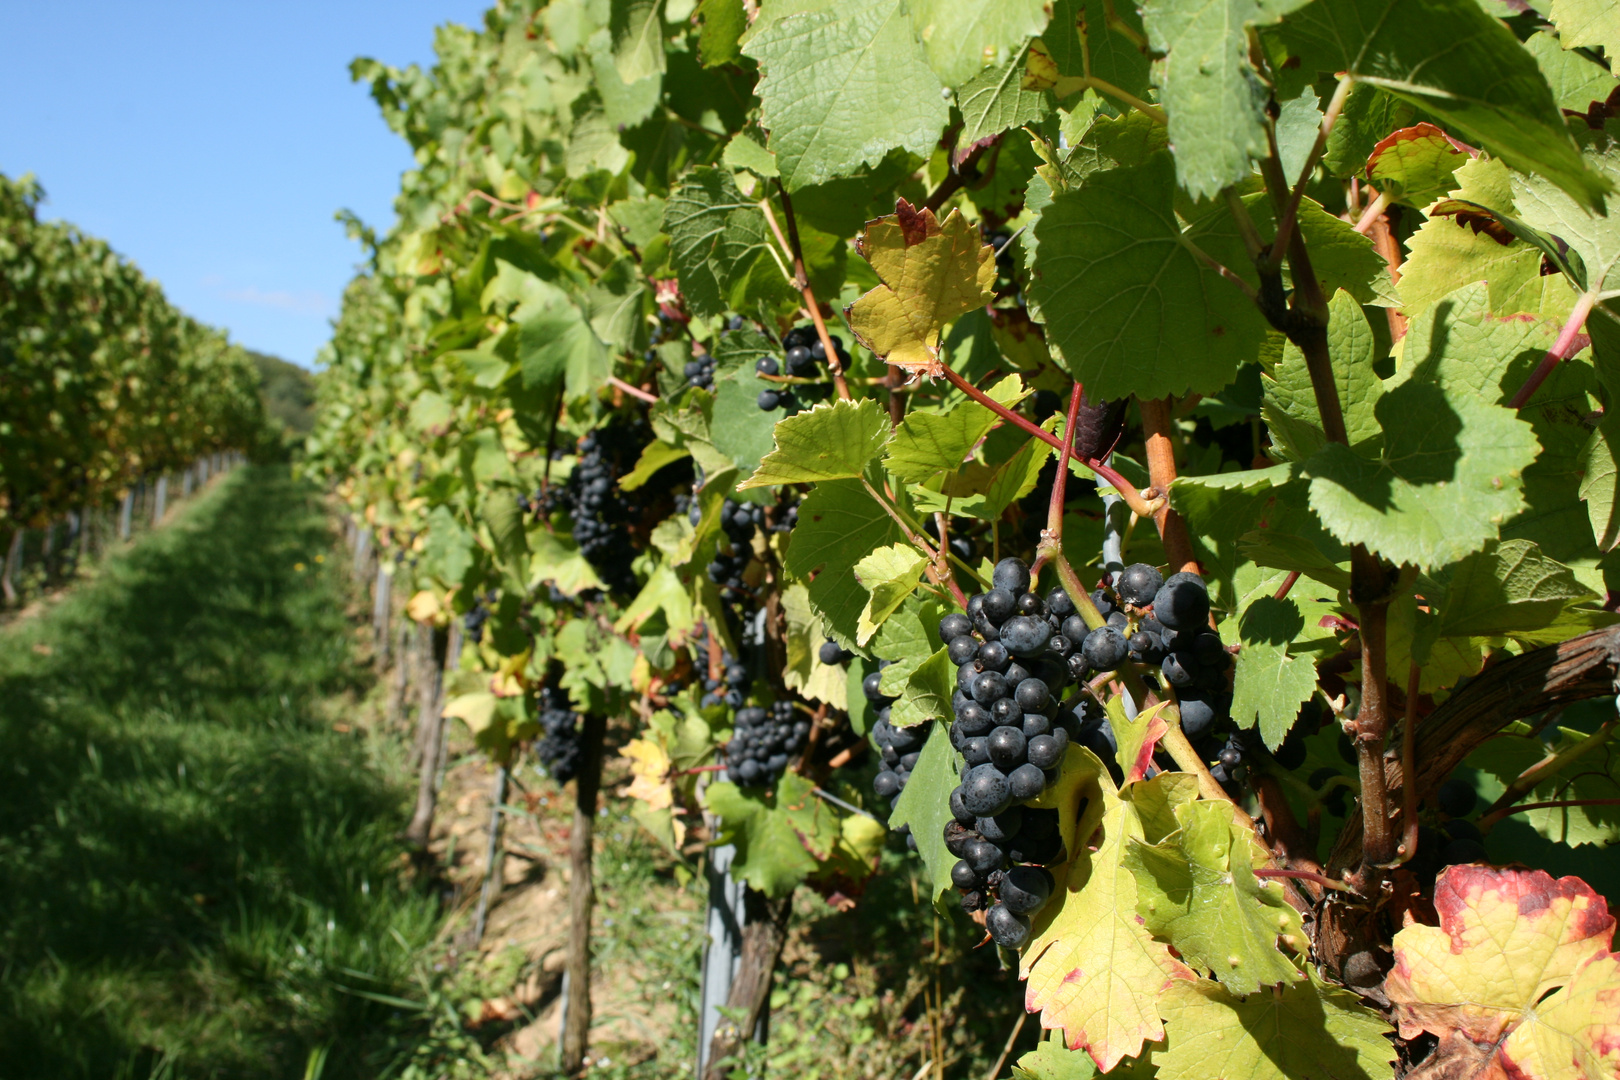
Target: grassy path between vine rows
198	864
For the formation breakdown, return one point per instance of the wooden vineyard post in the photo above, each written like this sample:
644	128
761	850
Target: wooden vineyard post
581	896
429	731
763	934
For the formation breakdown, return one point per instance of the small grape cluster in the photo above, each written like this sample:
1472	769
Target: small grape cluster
833	654
700	372
472	623
1013	662
601	512
764	742
739	521
731	688
558	749
803	353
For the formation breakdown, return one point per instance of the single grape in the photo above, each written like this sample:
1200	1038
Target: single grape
1175	670
976	750
767	365
1197	714
1030	604
1138	584
1074	628
966	673
1026	782
1011	574
1104	648
975	605
1119	620
831	653
1025	635
985	793
909	761
983	856
1001	828
1079	670
955	625
870	686
1036	724
1230	756
959	809
994	656
973	901
1456	797
1182	602
1209	651
769	400
956	837
988	687
975	718
1007	711
1103	602
1015	673
999	605
1007	747
886	785
960	650
1059	604
1006	929
1045	751
963	877
1060	646
1032	695
1025	889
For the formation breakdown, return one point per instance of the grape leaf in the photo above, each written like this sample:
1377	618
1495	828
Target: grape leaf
618	304
843	86
803	670
1415	165
766	827
927	692
1593	773
1269	684
1342	258
1083	39
1432	54
1448	476
927	443
1309	1031
1197	890
625	103
1128	308
839	524
1289	408
985	492
1507	589
1576	81
723	24
1050	1061
1214	98
717	239
1299	121
637	27
963	36
1092	969
742	431
1588	22
832	441
1506	940
888	574
925	806
995	101
557	350
931	273
1367	116
1600	461
744	152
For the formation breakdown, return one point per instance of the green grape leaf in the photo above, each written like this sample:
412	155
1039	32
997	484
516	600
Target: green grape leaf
804	670
741	430
925	805
1299	121
889	575
1092	968
829	442
1588	22
1128	309
928	443
1213	96
771	856
931	271
625	103
1341	257
1308	1031
1449	473
1289	408
1368	114
839	524
927	692
1505	590
1431	55
842	86
1050	1061
995	101
1415	165
720	244
637	27
744	152
723	24
1576	81
1082	31
556	349
593	146
985	492
963	36
1595	237
1197	890
617	305
1600	462
1269	684
1589	773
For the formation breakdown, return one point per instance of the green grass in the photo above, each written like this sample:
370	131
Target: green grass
198	876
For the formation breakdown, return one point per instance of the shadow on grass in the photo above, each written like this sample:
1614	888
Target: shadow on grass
196	872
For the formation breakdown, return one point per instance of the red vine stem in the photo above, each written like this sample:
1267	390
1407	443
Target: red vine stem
1302	875
1287	585
633	391
1161	460
803	282
1052	535
1409	839
1561	349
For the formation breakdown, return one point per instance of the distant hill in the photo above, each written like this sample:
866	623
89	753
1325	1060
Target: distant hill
288	391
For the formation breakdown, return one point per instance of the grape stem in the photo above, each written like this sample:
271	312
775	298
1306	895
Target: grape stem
1140	506
1285	228
1526	781
1409	818
1565	345
802	279
634	391
1052	535
1302	875
1287	585
1161	461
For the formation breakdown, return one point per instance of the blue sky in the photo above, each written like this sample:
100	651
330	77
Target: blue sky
211	143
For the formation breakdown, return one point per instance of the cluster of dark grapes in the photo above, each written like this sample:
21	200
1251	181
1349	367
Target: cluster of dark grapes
739	521
1013	661
899	747
700	372
558	748
601	512
731	688
764	742
803	355
472	623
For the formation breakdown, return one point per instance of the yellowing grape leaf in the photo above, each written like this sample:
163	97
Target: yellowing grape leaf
1517	954
1093	970
1416	165
889	574
931	273
1198	891
650	765
1309	1031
